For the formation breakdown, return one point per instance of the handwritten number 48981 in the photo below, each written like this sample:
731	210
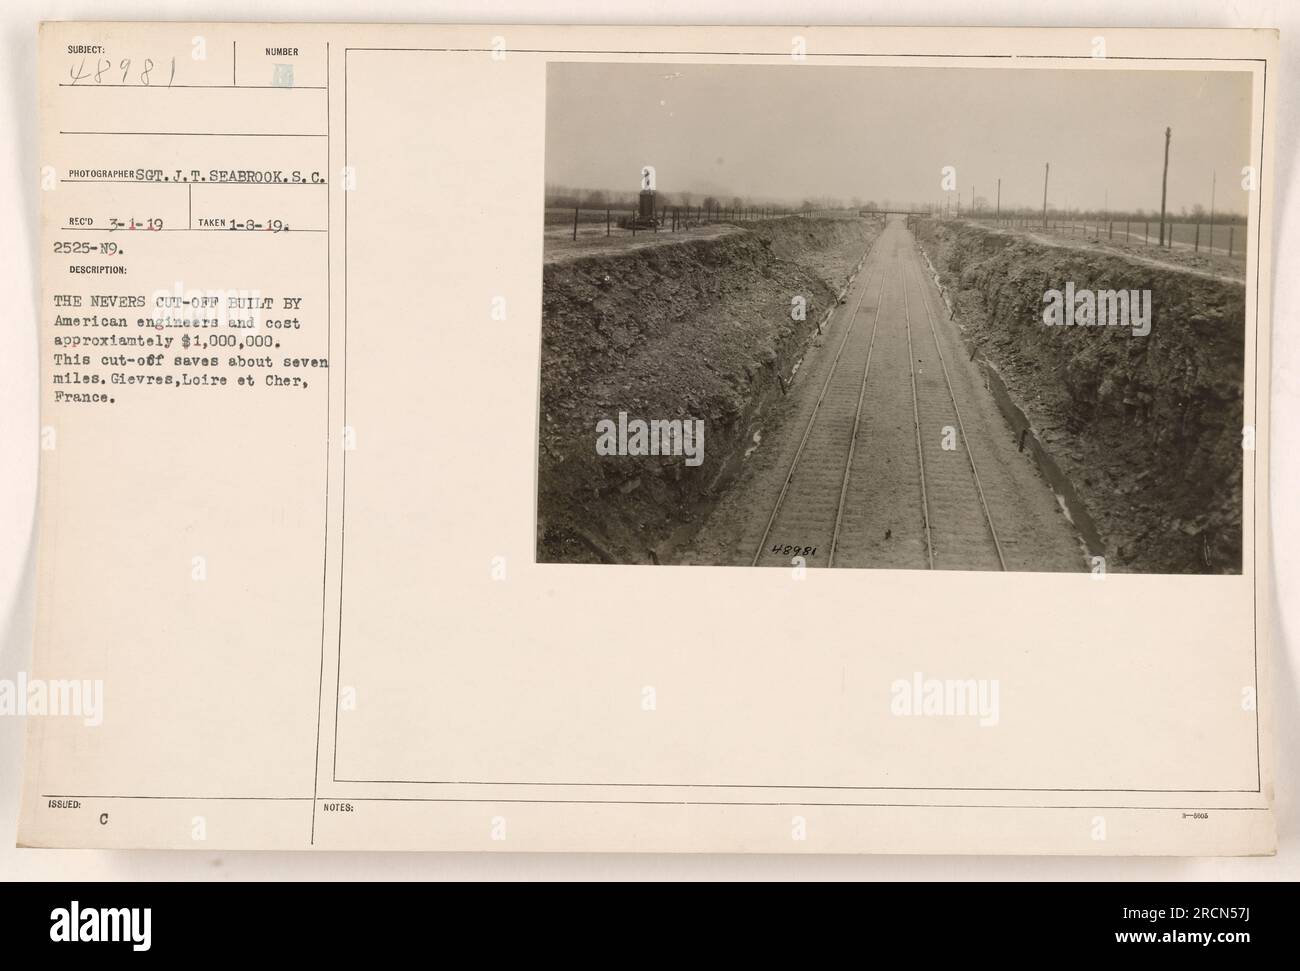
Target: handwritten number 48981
144	74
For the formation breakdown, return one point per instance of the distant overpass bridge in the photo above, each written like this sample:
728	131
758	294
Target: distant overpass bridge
894	212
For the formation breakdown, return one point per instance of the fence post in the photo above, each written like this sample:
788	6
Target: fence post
1196	247
1231	230
575	224
606	222
1146	232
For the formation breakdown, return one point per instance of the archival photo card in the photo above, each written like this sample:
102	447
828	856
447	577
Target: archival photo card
444	430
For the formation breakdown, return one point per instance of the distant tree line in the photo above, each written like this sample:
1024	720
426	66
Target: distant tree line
569	197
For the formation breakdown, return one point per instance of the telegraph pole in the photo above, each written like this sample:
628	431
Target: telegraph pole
1047	170
1164	186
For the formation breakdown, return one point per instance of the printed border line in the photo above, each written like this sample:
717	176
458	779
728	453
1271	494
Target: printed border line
325	525
1255	460
769	785
786	54
664	802
1254	510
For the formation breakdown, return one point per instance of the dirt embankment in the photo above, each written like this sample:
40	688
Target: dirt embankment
698	329
1145	431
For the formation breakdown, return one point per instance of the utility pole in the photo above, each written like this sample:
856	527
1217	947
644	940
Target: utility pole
1213	178
1164	186
1047	170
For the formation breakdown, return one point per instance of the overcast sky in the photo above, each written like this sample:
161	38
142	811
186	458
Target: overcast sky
795	131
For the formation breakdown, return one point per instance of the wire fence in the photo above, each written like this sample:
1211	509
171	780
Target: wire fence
1226	239
574	221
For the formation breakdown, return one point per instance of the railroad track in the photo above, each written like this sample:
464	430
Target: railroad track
937	411
835	371
851	491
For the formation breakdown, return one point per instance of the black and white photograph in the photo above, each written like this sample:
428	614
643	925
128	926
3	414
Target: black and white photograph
892	317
